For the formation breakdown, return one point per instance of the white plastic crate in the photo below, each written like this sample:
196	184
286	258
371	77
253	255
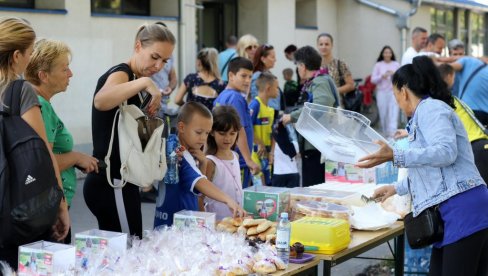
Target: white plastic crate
341	135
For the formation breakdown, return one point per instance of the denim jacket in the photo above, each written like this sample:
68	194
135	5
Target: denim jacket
439	159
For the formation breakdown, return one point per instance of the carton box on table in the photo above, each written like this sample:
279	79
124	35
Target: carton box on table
187	218
45	258
266	202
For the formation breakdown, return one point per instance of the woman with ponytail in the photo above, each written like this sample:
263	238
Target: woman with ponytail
127	81
441	170
205	85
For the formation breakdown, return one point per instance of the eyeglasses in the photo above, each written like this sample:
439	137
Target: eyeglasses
251	47
267	46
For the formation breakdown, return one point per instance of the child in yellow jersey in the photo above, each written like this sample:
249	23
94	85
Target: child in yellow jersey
262	117
477	133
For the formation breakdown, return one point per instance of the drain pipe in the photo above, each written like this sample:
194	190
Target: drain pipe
402	19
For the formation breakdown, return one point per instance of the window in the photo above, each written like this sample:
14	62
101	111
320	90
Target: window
26	4
122	7
476	21
306	13
442	22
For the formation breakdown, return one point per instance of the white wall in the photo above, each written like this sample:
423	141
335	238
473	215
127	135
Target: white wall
97	43
252	18
281	26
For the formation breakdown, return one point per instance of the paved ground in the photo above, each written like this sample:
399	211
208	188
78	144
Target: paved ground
82	219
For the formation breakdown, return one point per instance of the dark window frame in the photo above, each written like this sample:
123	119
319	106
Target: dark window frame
20	4
123	9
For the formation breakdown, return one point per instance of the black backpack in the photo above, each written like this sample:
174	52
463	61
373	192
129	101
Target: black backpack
29	192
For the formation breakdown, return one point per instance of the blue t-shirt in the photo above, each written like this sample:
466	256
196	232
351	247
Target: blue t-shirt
476	93
223	58
464	214
174	198
235	99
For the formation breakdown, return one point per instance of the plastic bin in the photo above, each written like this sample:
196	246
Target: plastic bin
341	135
328	234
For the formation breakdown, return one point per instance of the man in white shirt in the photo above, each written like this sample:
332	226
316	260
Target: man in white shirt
419	41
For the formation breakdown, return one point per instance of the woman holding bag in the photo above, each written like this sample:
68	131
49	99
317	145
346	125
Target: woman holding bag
154	45
442	175
336	68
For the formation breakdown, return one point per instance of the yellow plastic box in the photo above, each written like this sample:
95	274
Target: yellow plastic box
328	234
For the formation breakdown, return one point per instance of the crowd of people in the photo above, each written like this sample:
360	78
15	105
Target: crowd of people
234	128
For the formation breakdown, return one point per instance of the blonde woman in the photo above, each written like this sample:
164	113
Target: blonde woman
205	85
246	46
154	45
48	71
17	38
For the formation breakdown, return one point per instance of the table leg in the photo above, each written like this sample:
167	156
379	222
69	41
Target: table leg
399	254
327	268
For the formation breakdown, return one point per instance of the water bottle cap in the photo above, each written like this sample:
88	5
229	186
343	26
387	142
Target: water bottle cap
284	215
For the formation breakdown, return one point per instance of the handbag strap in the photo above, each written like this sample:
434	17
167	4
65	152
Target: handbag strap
109	153
470	78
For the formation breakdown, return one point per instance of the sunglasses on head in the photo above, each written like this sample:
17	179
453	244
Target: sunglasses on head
267	46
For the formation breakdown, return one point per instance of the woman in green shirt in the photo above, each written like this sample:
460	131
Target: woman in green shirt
49	73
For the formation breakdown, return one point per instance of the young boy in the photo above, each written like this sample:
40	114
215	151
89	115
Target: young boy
194	124
240	74
262	117
290	90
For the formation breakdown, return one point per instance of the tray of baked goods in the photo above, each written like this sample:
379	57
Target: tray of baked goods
260	230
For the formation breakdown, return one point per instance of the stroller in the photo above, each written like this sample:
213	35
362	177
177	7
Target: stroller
369	107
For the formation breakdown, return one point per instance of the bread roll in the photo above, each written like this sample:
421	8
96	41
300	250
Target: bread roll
252	222
264	226
252	230
264	267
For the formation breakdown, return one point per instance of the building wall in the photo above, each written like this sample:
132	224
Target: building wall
97	43
252	18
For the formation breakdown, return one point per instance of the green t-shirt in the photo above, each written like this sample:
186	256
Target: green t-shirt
62	141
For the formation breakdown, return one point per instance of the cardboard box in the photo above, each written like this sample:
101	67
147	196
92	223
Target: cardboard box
187	218
96	241
45	258
342	172
266	202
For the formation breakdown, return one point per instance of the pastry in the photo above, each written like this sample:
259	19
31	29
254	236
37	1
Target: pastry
270	231
264	226
252	222
237	222
252	230
226	227
299	249
264	267
242	230
280	265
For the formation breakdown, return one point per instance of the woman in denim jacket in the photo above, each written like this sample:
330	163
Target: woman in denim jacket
441	170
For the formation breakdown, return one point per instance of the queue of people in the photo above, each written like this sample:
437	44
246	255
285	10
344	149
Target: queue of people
235	127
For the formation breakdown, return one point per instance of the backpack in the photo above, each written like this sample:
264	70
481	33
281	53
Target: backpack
29	191
141	147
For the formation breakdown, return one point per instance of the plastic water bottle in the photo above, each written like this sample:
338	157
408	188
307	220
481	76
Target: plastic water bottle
171	177
283	238
256	180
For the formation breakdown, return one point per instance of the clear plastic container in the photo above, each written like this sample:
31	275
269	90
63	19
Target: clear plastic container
320	209
341	135
328	234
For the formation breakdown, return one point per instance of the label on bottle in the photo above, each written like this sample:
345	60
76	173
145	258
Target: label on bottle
282	239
